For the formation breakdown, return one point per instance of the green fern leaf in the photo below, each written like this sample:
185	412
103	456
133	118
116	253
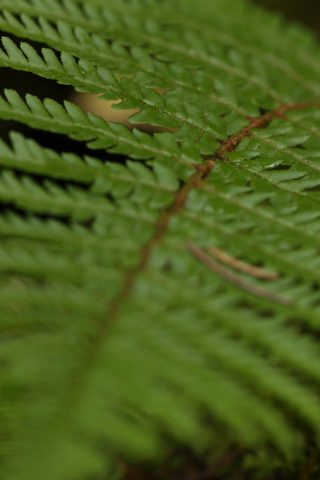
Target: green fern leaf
162	292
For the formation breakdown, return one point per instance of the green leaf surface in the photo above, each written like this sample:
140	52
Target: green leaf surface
162	293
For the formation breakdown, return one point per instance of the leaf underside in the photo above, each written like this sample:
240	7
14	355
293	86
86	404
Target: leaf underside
165	291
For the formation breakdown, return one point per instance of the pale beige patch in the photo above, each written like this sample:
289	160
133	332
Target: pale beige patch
92	103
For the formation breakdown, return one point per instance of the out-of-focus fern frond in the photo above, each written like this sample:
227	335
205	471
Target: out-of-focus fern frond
124	331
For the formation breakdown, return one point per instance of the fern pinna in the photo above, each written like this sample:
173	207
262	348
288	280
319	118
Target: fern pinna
163	292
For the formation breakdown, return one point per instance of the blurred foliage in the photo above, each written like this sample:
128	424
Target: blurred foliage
307	13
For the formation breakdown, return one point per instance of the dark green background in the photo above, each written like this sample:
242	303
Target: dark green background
303	11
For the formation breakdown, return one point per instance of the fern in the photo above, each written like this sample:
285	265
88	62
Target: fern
163	291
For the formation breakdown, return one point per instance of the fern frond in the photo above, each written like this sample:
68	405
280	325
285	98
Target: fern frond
26	155
71	120
118	341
